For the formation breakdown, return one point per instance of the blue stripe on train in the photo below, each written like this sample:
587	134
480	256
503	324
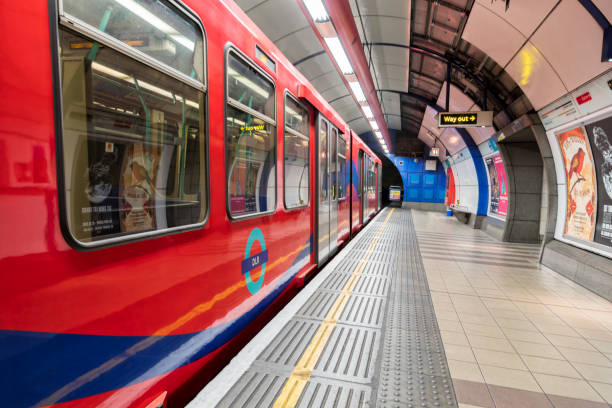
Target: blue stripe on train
46	368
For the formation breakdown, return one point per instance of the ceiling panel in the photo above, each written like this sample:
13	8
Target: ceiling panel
575	50
535	76
434	67
360	126
426	137
299	44
387	29
333	93
384	54
430	121
605	6
524	15
328	80
398	72
480	134
394	122
288	17
492	34
316	66
443	35
386	83
391	102
246	5
459	102
452	140
344	103
382	8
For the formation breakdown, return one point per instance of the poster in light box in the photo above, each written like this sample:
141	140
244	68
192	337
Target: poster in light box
580	181
600	136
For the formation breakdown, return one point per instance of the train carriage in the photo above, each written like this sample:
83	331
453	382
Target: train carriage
168	180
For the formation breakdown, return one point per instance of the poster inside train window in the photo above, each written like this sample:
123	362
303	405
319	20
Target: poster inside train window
580	181
600	137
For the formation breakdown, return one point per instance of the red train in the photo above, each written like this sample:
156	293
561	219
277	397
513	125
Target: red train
167	178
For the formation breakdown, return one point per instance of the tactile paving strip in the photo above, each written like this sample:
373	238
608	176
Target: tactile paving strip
385	350
413	368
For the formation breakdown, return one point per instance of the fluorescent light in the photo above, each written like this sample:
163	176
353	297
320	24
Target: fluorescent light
357	91
317	10
141	84
252	85
335	47
156	22
367	111
374	125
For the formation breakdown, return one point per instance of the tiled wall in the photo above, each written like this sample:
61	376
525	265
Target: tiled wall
421	185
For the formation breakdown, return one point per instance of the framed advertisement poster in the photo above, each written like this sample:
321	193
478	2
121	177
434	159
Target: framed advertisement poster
580	181
502	187
600	137
493	186
498	186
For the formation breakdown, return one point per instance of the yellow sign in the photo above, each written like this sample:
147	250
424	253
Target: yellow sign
252	128
465	119
458	118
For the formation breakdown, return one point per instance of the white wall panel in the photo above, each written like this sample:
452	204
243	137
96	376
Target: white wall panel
465	178
524	15
605	6
538	80
571	41
458	100
492	34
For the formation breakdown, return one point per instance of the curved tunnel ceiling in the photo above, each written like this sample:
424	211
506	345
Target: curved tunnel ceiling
509	61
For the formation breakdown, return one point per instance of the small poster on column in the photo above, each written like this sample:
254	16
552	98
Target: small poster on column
580	182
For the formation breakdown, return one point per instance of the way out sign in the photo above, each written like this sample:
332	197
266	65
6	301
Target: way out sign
465	119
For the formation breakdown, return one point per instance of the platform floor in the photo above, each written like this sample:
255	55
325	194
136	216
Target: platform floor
422	311
515	333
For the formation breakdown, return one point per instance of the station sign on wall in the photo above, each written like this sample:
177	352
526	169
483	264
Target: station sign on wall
465	119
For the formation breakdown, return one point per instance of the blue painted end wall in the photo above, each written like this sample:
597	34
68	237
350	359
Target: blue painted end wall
421	185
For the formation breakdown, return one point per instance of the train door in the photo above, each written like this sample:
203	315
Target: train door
333	173
360	185
323	196
379	190
364	188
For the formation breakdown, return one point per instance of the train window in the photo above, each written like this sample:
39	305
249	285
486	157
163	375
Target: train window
333	163
323	169
250	140
297	157
133	145
342	181
155	29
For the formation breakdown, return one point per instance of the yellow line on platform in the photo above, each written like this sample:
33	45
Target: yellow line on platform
295	384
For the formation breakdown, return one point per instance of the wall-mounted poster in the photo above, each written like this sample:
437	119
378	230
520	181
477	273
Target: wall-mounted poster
493	186
600	136
450	187
498	198
580	182
503	186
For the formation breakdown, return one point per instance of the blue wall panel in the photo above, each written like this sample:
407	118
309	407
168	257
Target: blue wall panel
419	184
